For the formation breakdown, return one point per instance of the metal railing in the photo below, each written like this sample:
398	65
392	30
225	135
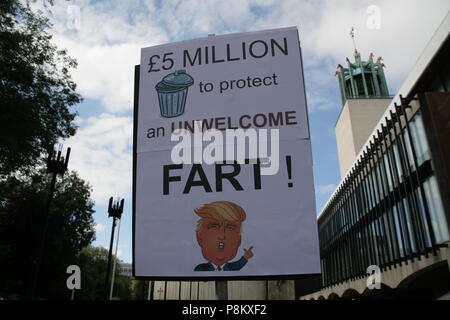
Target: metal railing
379	215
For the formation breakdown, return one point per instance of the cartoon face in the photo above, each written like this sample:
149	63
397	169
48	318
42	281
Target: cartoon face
219	239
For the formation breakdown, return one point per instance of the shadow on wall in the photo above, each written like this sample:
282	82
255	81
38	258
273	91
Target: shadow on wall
428	283
333	296
351	294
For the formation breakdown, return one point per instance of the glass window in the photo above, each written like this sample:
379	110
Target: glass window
349	89
359	85
368	195
419	138
436	84
423	219
388	174
436	209
378	187
397	166
445	73
370	85
390	219
398	231
408	229
409	156
384	238
374	243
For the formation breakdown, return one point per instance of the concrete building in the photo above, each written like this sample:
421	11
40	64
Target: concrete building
365	97
385	230
356	121
125	269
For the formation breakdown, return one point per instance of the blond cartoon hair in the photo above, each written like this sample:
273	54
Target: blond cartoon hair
220	210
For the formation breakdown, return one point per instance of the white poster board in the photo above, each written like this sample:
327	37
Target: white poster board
257	219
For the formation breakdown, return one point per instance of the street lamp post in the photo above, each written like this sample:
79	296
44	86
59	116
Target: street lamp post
114	210
114	263
56	165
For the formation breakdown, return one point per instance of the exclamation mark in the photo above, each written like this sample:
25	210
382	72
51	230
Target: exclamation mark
288	164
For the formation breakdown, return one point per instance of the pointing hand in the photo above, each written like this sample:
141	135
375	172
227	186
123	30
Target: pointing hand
248	253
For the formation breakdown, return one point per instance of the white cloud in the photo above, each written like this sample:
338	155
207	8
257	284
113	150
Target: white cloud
121	249
325	189
112	32
321	101
324	26
107	46
105	73
406	27
101	153
99	228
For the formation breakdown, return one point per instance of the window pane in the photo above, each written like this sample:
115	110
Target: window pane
437	214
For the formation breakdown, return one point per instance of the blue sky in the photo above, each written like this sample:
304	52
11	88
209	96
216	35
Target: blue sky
106	36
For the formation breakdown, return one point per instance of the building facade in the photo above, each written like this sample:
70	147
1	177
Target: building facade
385	230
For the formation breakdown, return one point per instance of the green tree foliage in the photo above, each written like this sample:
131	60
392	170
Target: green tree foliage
71	228
36	88
93	262
140	291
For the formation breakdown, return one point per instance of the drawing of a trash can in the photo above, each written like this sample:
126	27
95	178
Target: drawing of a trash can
172	92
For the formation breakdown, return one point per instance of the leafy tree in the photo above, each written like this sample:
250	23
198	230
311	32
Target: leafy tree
36	88
140	291
93	262
70	228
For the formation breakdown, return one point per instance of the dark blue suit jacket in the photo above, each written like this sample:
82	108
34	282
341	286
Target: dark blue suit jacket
229	266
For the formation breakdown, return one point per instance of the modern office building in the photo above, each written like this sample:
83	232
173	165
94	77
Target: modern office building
384	232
